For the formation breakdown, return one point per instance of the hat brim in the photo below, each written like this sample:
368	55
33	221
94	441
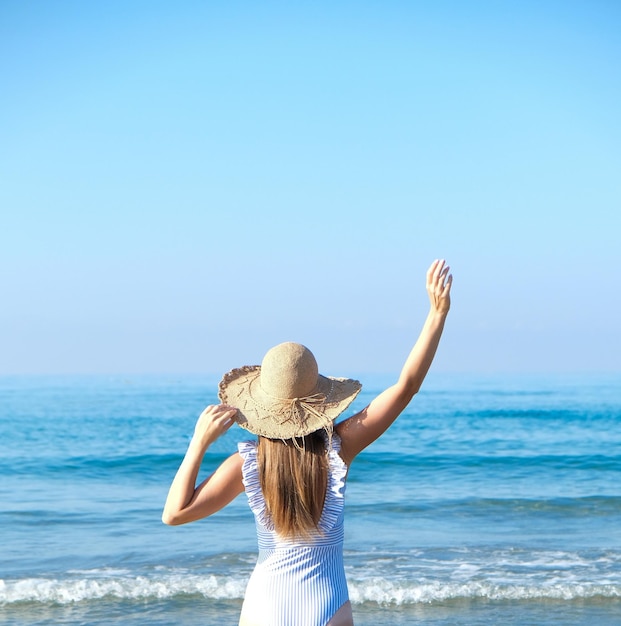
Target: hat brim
260	414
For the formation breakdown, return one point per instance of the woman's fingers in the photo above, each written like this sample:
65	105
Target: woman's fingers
437	274
431	272
227	417
439	283
214	421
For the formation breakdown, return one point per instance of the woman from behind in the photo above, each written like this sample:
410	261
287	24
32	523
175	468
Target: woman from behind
294	474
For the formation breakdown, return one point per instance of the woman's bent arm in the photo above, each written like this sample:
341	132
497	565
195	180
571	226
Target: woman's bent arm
365	427
187	502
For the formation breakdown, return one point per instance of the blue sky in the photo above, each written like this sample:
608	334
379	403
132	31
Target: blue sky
183	185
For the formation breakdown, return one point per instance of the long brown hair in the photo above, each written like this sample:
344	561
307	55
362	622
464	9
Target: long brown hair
294	478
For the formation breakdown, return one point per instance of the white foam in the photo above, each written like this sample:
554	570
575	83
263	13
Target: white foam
93	587
97	585
386	592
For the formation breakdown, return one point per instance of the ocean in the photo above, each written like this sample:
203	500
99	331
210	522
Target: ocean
492	500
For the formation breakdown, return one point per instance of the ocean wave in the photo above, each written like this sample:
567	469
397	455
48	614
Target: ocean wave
383	592
118	586
493	461
592	507
124	586
146	466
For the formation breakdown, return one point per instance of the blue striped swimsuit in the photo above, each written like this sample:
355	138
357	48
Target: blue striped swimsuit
296	583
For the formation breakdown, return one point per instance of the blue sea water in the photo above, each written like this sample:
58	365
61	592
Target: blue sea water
492	500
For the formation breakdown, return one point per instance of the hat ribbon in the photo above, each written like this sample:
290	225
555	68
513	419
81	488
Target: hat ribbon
297	410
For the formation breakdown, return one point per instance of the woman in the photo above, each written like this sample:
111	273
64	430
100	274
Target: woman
294	475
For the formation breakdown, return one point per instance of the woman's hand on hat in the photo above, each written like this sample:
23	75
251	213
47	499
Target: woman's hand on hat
213	422
439	283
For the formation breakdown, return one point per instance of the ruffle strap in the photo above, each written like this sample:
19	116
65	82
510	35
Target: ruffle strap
335	494
250	478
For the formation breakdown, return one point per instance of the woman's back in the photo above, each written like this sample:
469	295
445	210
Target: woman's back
297	580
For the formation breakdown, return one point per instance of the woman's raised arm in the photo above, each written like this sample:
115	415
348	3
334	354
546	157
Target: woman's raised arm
365	427
187	502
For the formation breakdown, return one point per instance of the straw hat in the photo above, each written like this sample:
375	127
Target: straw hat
285	396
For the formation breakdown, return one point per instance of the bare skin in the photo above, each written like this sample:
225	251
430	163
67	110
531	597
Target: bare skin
187	502
343	617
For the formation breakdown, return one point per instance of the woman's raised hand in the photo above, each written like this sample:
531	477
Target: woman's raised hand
214	421
439	283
